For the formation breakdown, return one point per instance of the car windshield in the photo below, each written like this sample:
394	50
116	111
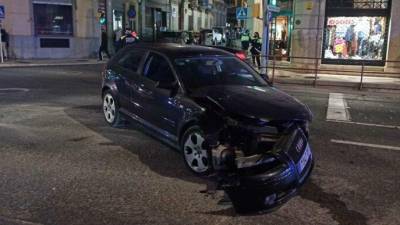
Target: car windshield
200	72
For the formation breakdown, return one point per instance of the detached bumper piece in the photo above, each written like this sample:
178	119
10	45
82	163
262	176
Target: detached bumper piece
264	182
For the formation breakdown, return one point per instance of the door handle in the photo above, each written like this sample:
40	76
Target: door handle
143	90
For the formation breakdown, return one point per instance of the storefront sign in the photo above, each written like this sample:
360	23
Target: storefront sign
340	21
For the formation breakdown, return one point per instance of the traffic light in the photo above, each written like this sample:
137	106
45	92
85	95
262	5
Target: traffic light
103	19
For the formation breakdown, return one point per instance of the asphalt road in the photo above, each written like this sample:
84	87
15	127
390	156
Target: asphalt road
61	164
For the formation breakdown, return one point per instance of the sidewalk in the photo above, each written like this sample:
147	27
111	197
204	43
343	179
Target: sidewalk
49	62
374	82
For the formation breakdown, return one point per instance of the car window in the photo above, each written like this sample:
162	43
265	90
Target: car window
131	60
198	72
157	69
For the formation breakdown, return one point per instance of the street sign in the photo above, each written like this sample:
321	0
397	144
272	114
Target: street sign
273	8
132	12
2	12
241	13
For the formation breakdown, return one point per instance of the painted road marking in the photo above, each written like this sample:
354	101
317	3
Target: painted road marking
367	124
337	108
8	90
387	147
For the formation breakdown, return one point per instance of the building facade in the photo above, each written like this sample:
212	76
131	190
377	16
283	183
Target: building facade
340	33
50	28
343	33
72	28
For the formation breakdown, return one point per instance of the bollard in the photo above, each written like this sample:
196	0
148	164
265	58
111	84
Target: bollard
273	70
316	72
362	77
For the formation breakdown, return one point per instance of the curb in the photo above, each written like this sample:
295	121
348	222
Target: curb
340	84
49	64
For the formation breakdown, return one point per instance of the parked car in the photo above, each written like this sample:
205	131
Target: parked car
219	113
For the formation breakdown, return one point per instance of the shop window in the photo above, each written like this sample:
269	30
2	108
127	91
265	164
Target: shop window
52	19
355	38
117	20
356	32
279	38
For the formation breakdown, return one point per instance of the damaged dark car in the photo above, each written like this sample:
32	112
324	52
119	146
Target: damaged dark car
227	122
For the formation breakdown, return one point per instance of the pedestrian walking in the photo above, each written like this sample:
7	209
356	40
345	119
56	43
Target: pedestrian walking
103	45
4	43
255	49
245	40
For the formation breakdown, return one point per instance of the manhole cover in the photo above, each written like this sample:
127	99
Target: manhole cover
12	90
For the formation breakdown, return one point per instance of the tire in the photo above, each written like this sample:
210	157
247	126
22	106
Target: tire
196	156
111	109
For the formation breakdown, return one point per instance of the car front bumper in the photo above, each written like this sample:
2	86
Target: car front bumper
267	185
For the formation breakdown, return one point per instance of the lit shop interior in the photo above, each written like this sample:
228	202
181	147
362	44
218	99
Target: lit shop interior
357	38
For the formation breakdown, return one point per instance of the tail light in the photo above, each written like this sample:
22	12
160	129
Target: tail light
241	55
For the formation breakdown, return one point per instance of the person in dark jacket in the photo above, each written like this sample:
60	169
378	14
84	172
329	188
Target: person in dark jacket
103	45
255	49
4	43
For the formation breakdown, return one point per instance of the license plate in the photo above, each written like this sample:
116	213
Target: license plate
304	159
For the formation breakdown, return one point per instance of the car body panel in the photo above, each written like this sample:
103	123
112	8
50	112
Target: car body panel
262	102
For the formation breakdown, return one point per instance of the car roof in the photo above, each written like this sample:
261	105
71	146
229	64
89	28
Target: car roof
174	51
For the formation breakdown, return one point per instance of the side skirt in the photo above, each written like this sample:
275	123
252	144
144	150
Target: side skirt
153	130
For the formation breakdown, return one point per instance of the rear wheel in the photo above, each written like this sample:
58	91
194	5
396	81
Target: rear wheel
196	155
111	109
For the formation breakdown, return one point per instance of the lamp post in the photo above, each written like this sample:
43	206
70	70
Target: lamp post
265	44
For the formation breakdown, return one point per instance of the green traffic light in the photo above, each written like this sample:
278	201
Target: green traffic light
103	20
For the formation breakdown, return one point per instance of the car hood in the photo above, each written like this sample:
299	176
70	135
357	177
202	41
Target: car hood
263	102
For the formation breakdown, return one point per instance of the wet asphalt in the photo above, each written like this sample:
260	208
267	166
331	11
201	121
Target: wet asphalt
61	164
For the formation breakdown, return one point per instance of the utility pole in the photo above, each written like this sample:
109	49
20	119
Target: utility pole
265	37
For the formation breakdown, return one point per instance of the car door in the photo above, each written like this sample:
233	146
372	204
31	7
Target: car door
128	66
160	108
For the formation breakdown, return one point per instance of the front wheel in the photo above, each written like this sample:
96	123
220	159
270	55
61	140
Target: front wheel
111	109
195	154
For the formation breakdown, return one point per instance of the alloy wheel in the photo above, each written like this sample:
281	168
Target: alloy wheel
195	154
109	108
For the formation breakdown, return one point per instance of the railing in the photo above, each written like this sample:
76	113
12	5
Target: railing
316	70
